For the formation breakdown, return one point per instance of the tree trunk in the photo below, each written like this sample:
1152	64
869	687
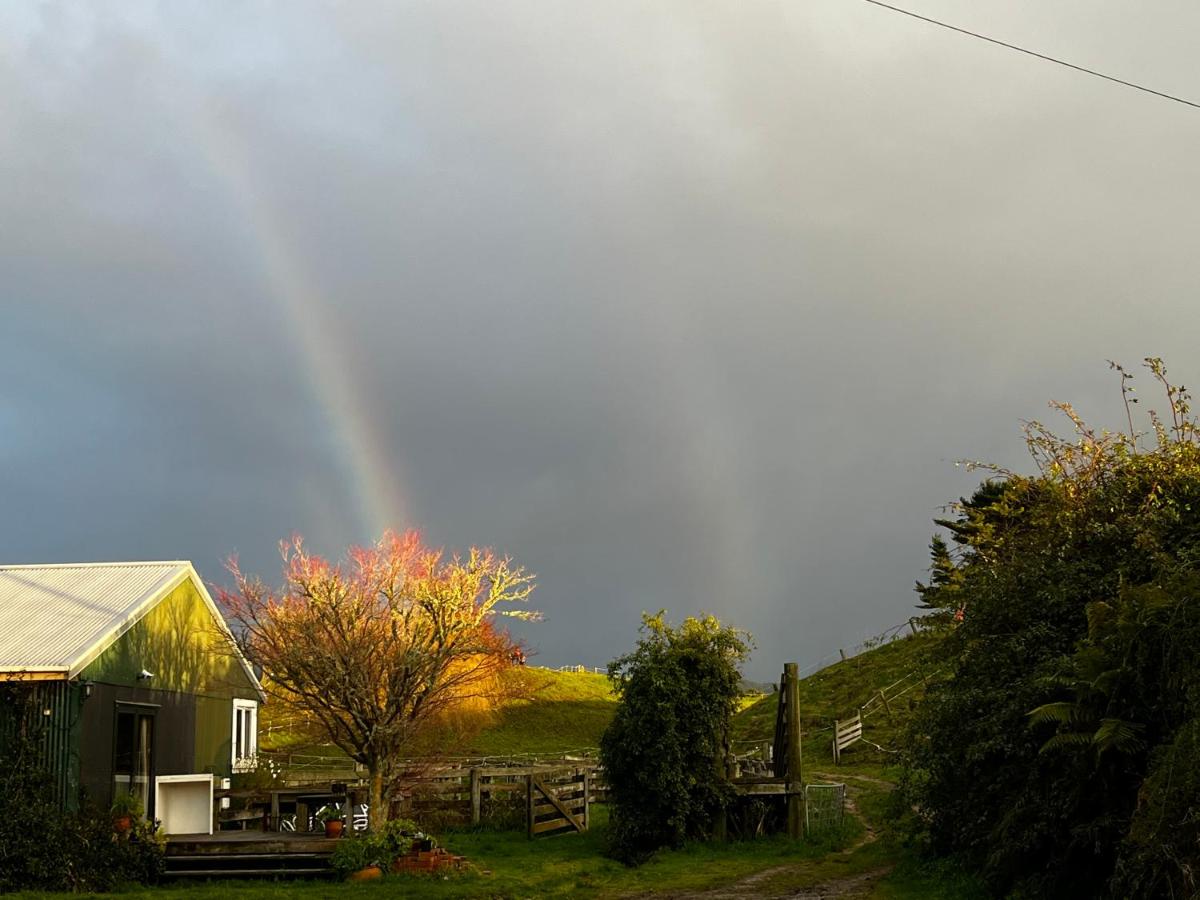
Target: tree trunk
377	813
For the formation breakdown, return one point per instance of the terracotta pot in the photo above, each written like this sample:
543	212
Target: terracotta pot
370	873
333	828
122	824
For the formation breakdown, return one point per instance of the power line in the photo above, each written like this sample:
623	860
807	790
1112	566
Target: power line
1061	62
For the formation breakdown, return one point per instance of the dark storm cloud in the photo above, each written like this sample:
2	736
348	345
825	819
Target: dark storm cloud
687	306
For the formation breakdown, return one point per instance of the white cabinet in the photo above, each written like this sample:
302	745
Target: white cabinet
184	803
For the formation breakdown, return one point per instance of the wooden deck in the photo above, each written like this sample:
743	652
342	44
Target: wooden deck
242	854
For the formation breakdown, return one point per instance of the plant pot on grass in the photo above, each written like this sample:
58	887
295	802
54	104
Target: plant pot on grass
370	873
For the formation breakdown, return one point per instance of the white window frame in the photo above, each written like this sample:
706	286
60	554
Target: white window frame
247	762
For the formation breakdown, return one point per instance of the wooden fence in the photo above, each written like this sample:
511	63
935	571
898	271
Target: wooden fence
845	733
548	798
557	803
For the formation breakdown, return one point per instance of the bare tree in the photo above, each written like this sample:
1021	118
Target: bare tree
377	647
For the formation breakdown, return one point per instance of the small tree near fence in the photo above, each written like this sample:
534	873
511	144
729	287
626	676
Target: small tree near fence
379	648
665	753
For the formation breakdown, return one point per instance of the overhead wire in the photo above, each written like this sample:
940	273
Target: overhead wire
1034	53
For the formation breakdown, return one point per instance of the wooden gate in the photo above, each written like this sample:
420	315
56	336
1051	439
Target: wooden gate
557	803
846	733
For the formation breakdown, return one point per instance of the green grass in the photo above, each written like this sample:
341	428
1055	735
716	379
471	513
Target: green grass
569	711
507	865
836	692
560	711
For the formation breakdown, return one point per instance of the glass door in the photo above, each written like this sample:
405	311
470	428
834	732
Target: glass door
133	755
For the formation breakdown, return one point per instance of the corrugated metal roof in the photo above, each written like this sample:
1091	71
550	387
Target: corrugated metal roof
51	616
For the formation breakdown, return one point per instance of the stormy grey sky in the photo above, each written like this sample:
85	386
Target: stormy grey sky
684	305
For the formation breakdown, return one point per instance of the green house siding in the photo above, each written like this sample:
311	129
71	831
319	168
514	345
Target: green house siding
197	676
214	735
183	645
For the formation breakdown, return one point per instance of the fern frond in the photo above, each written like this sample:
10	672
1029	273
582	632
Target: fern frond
1067	740
1061	712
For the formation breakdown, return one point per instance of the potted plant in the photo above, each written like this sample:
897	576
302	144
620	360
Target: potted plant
359	858
331	818
125	808
423	842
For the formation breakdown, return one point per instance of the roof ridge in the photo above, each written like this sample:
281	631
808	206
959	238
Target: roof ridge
96	565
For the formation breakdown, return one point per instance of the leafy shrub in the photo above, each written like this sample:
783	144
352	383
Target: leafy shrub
375	848
42	848
664	753
1059	759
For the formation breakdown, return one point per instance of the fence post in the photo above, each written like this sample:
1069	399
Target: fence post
843	652
887	706
529	805
587	800
794	772
476	798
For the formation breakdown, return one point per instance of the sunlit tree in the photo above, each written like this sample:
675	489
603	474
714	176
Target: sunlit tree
378	648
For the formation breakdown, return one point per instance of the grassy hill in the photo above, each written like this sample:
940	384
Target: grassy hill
569	711
837	691
557	712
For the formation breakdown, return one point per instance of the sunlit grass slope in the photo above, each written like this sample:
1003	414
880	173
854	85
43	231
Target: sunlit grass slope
552	712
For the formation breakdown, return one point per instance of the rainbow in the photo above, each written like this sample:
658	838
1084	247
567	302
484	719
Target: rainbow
371	472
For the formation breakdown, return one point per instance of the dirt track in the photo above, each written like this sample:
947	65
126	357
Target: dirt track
758	885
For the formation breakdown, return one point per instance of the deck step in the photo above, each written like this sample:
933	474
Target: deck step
245	873
217	858
257	855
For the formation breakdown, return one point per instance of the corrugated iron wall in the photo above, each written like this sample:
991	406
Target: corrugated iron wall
48	712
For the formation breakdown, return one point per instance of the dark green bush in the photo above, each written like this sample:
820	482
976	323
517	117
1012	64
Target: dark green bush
664	753
43	848
1059	758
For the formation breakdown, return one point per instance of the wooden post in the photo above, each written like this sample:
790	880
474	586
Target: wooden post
476	797
587	800
843	652
275	811
794	770
912	623
529	814
887	706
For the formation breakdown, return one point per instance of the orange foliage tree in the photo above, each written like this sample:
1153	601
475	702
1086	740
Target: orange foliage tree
380	646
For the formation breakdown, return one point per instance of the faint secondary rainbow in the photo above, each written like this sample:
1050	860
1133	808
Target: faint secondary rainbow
372	474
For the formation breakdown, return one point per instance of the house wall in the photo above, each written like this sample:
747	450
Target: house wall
50	714
196	678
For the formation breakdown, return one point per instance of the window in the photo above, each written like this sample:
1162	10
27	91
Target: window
245	735
133	754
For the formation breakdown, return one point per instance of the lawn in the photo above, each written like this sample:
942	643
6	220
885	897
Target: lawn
507	865
504	865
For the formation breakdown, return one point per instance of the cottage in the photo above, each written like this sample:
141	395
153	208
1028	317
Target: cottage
129	675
